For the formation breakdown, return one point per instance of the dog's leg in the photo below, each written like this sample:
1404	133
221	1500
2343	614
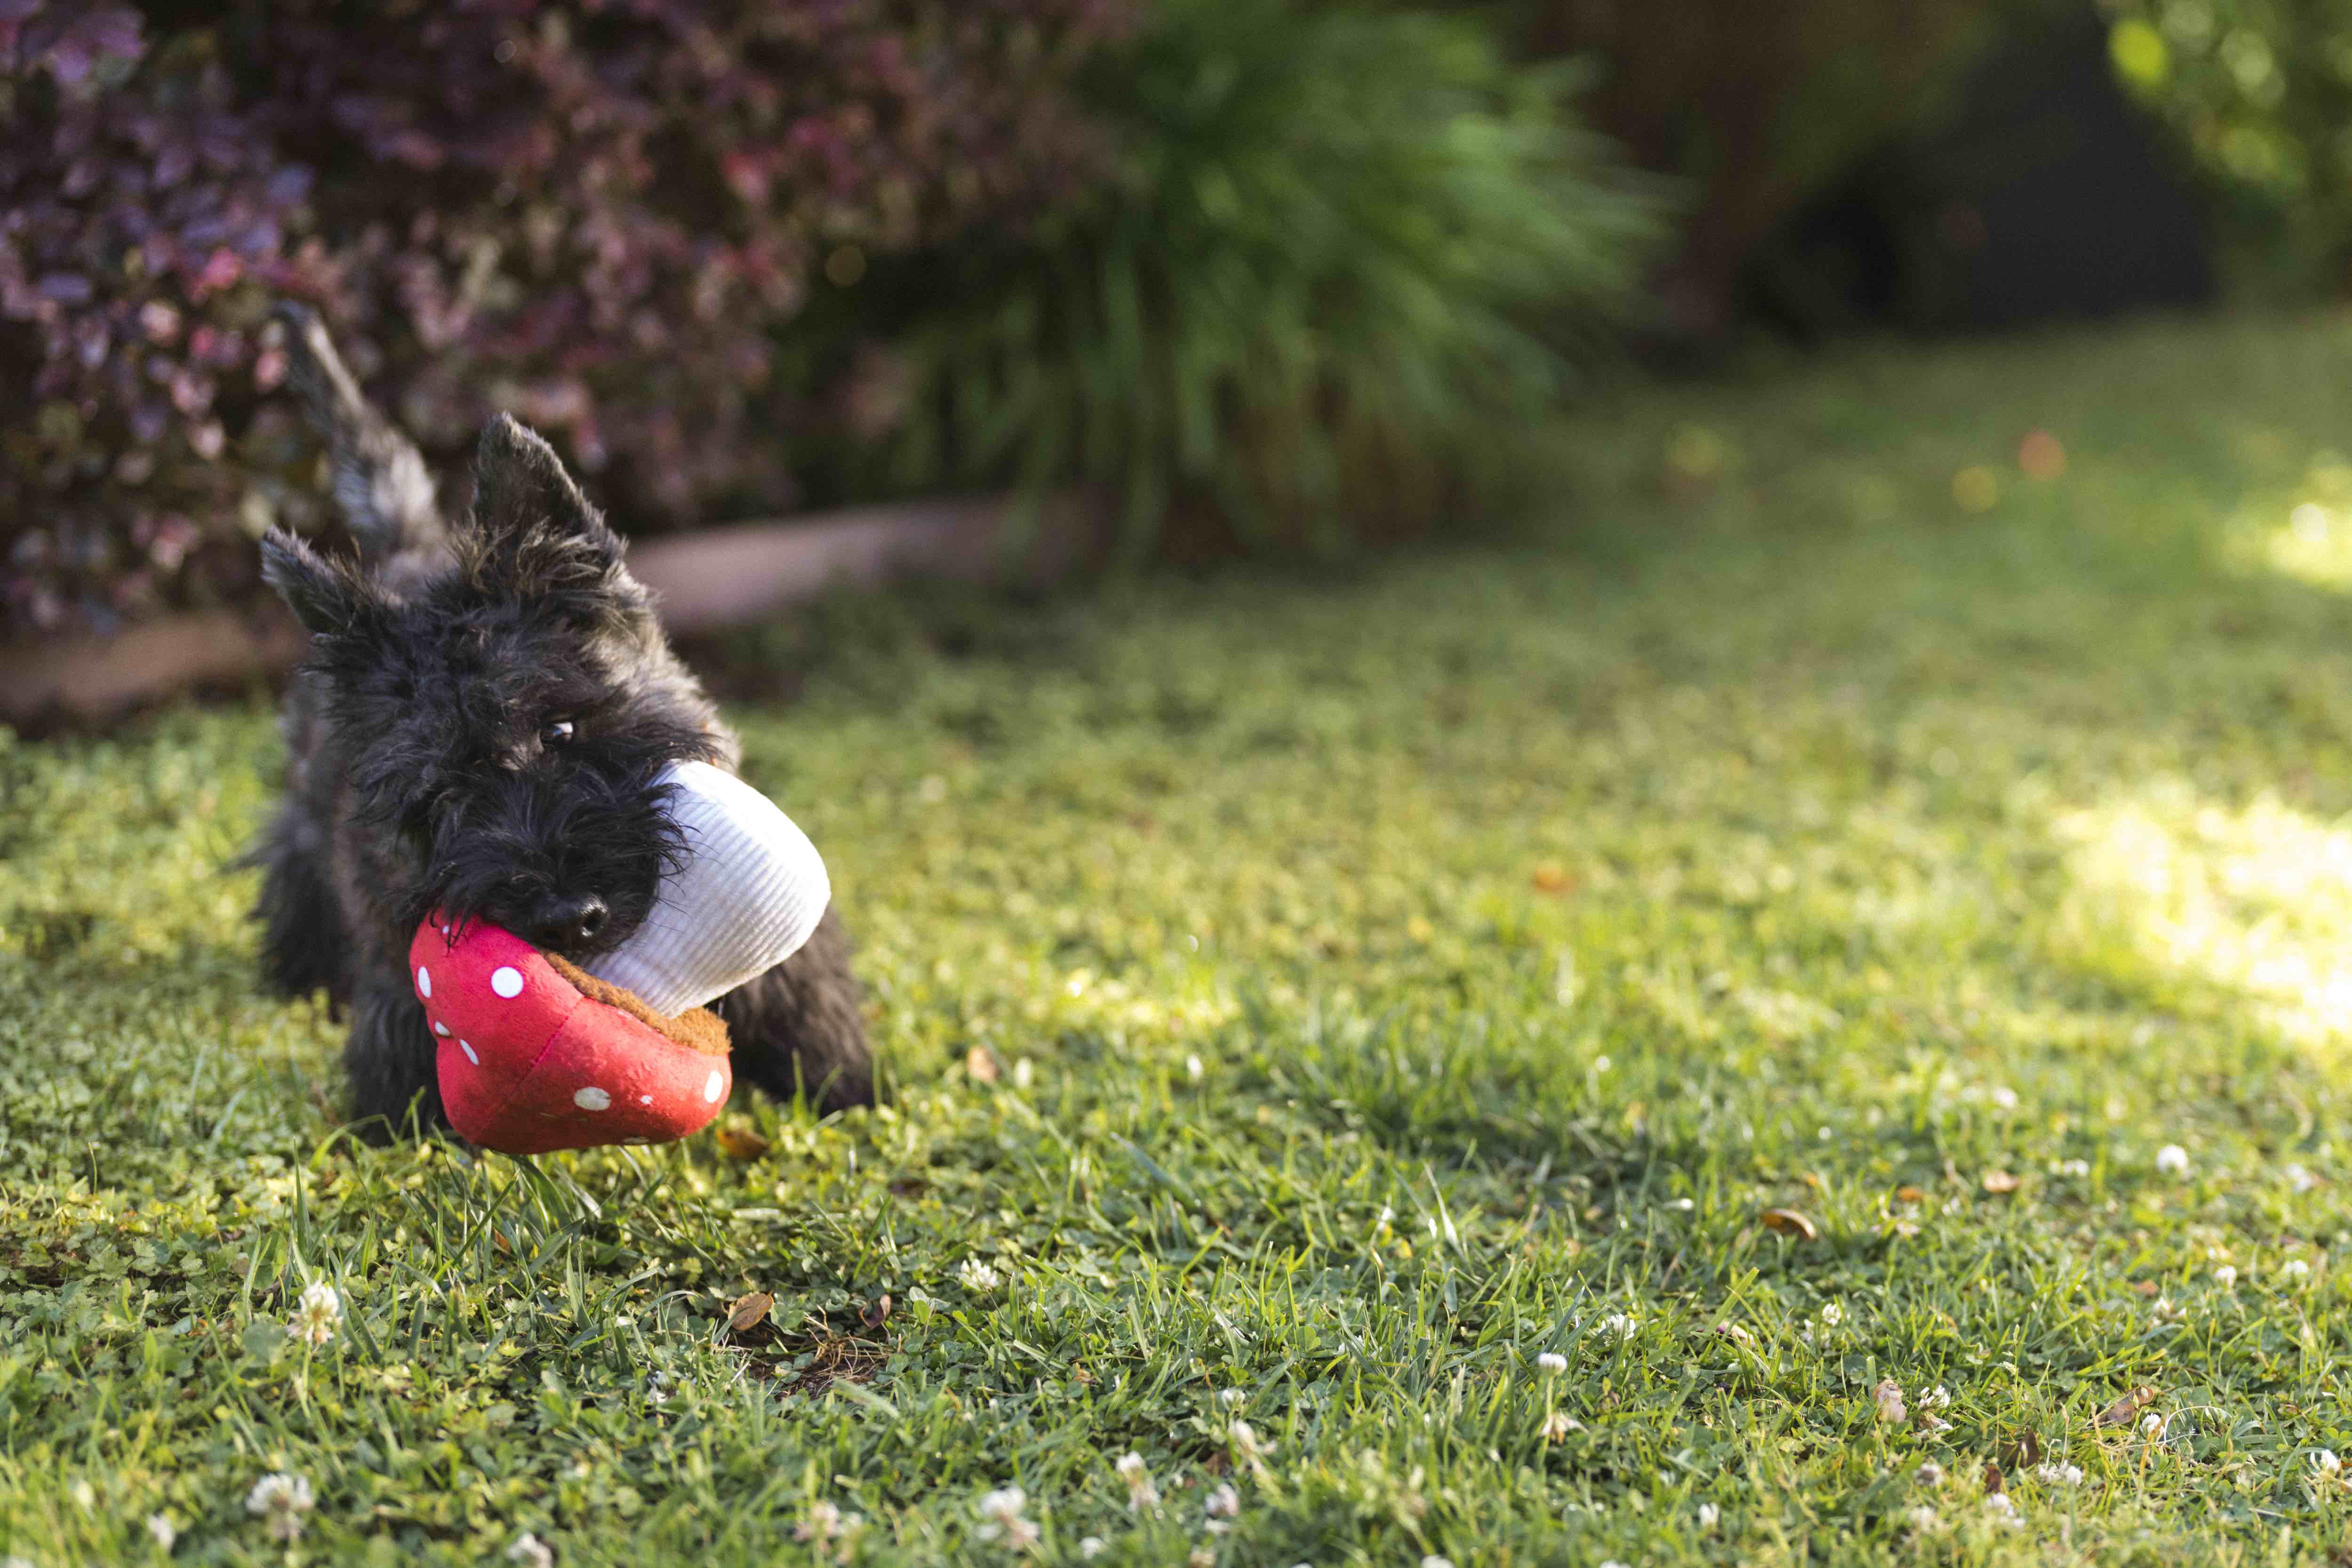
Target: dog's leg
800	1027
303	940
389	1058
379	479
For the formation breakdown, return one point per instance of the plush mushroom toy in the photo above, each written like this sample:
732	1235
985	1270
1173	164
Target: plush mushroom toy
535	1053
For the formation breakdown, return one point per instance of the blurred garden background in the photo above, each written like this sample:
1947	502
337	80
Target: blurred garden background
1250	277
1671	885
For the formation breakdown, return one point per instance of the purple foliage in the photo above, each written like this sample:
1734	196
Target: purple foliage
596	214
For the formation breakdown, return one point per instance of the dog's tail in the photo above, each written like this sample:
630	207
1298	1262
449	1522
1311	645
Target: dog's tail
380	480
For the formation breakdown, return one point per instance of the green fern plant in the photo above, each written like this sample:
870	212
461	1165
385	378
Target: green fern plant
1349	257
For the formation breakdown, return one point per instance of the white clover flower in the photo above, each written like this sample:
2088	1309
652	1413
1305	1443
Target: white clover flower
529	1551
2075	1167
2152	1425
1201	1557
1710	1516
282	1500
1735	1333
1832	1315
2324	1461
1434	1561
978	1277
1091	1547
2225	1276
1192	1068
1232	1396
1551	1363
1141	1491
1888	1397
2295	1269
2057	1474
1001	1509
1251	1448
1621	1324
825	1522
165	1532
2005	1097
1923	1519
2172	1160
316	1315
1558	1426
1935	1398
2003	1508
1612	1563
1223	1503
2299	1179
1931	1474
86	1495
1409	1500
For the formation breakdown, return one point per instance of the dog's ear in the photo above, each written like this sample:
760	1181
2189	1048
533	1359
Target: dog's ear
533	533
520	489
325	596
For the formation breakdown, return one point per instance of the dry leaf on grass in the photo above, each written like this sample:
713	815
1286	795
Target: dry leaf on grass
1549	878
981	1065
1907	1194
877	1312
739	1143
1788	1222
749	1311
1999	1181
2121	1412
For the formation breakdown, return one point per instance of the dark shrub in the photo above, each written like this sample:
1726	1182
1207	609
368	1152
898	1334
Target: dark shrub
1335	275
591	213
1759	104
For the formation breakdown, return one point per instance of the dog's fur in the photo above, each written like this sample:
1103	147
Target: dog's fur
427	768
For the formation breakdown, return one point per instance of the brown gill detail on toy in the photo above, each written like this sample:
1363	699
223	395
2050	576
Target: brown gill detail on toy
696	1029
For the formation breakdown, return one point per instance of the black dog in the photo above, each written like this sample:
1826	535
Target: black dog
480	729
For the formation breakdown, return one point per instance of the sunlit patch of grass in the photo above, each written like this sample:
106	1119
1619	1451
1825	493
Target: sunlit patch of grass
2314	546
2305	535
2257	899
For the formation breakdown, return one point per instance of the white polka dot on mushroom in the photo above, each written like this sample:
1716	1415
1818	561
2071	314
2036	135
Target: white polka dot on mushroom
423	981
468	1049
645	1099
440	1028
711	1087
507	980
591	1098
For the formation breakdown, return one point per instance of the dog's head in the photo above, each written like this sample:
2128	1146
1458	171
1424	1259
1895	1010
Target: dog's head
502	722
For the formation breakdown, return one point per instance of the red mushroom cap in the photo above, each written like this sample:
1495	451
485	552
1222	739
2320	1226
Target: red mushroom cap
530	1063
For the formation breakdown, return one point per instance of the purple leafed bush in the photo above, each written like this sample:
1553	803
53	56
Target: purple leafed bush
596	214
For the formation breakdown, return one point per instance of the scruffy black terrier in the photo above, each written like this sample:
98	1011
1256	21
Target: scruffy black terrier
479	729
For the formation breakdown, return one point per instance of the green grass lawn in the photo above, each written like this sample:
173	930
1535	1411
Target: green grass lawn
1309	1003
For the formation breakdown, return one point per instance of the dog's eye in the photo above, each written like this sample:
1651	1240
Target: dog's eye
557	732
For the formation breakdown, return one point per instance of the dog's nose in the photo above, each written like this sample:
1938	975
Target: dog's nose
567	921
